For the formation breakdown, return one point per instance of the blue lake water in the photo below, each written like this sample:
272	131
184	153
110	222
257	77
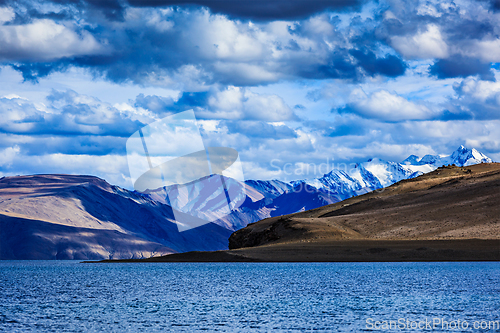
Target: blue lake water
67	296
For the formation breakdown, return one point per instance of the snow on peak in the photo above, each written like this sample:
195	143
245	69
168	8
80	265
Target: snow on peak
430	159
411	160
460	157
387	172
465	157
377	173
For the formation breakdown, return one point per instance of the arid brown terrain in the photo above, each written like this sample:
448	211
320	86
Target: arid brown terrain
450	214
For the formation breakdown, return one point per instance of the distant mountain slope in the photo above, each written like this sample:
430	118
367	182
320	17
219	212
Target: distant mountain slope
450	203
84	217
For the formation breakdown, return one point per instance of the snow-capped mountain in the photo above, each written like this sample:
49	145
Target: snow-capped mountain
460	157
269	188
465	157
344	183
266	198
377	173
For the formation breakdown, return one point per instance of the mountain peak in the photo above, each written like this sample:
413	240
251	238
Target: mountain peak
463	156
412	160
375	160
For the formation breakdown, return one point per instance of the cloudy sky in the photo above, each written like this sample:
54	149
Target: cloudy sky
303	81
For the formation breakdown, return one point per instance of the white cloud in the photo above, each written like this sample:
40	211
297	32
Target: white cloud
217	37
8	155
386	106
67	112
428	9
195	51
267	107
6	14
487	49
239	103
423	45
252	73
45	40
476	99
481	91
441	132
113	168
159	20
220	48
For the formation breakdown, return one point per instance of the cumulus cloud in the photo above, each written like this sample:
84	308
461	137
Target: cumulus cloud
231	103
461	37
67	114
238	103
345	138
240	68
192	46
479	90
487	49
6	14
476	99
8	155
447	135
45	40
386	106
69	129
424	44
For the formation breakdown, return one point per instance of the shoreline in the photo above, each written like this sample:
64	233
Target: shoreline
344	251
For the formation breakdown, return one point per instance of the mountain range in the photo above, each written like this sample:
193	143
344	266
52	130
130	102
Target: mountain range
450	214
269	198
84	217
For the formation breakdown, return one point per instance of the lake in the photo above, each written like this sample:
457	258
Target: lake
68	296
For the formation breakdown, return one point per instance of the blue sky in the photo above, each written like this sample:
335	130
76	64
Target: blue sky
281	81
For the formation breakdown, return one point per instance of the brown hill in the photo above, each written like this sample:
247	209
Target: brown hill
452	213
